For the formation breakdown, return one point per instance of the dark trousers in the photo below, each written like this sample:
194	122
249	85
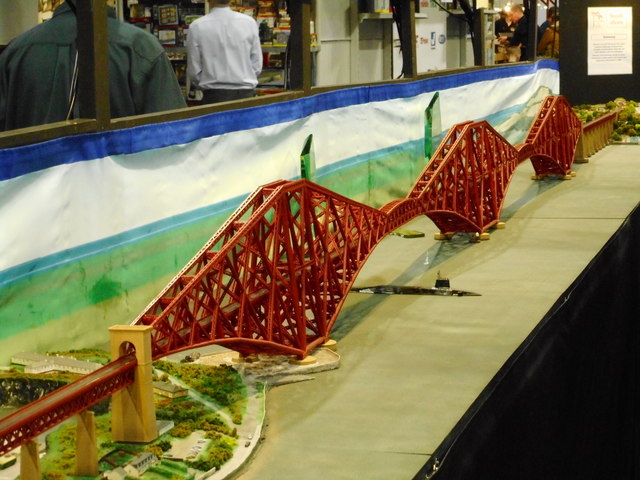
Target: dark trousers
225	95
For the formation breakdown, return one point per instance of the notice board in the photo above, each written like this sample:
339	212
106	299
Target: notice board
599	48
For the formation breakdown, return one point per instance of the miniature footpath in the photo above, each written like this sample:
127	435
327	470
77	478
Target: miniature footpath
260	372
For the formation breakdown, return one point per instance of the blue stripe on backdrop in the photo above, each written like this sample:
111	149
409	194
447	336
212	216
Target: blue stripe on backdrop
19	161
388	92
130	237
40	265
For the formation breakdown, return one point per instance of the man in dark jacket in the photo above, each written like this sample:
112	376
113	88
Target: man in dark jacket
521	32
36	72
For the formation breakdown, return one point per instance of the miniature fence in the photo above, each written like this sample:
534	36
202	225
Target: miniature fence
595	136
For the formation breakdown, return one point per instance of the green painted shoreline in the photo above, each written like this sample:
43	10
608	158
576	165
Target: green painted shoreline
84	298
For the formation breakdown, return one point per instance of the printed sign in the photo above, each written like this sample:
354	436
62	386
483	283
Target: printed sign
610	48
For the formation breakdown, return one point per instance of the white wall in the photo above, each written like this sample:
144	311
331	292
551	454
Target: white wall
374	47
356	49
459	47
332	25
352	50
429	56
16	16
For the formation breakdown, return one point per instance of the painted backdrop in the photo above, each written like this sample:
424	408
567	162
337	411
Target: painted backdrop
93	226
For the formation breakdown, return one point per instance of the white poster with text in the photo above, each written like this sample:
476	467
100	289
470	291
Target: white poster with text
610	49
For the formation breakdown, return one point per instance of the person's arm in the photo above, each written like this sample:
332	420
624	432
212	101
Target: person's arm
3	95
141	77
256	53
520	35
194	63
546	39
162	91
3	108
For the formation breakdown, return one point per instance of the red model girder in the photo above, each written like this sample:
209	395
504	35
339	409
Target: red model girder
468	181
553	137
277	279
274	276
39	416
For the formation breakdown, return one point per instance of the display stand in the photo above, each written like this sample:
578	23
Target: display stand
275	29
274	25
169	21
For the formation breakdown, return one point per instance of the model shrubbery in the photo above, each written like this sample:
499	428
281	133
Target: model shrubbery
627	123
221	384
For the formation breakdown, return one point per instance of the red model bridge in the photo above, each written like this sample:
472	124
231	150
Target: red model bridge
274	277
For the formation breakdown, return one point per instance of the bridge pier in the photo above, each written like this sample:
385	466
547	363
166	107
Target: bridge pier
30	461
443	236
133	414
331	345
308	360
580	156
567	176
86	445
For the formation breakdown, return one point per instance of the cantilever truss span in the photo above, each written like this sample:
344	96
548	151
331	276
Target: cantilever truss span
271	276
274	277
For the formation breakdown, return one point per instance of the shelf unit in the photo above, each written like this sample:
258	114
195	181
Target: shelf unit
169	21
383	16
273	70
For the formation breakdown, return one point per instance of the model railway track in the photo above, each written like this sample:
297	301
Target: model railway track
52	409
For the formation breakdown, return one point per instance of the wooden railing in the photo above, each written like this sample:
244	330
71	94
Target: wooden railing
595	136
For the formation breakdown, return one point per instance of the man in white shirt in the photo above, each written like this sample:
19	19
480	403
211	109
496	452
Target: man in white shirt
224	57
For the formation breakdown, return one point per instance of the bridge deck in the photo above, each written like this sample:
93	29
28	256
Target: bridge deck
412	365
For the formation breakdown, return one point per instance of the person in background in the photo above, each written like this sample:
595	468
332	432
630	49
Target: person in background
503	24
37	68
503	32
549	42
517	44
224	57
552	13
